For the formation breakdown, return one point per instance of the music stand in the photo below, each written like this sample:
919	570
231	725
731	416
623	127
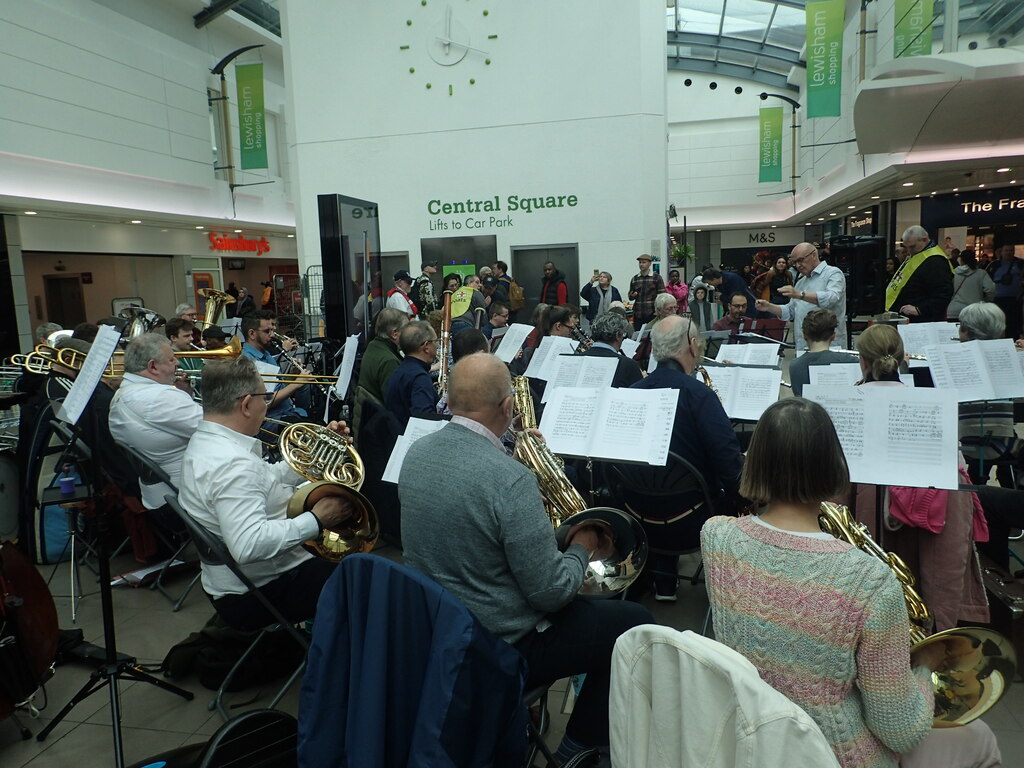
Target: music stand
114	667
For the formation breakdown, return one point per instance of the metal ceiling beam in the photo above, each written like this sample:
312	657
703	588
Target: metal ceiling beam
771	79
212	11
737	44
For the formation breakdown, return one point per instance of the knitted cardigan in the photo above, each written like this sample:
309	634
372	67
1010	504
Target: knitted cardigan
826	625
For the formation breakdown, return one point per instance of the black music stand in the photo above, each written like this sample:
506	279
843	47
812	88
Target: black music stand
115	667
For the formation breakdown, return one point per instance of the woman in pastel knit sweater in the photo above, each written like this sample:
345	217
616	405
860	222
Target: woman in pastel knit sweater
824	622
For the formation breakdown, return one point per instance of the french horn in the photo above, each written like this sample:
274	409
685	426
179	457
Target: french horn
333	467
980	664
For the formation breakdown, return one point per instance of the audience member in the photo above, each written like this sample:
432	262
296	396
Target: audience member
382	357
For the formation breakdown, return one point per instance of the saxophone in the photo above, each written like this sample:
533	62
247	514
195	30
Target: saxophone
566	507
707	381
980	663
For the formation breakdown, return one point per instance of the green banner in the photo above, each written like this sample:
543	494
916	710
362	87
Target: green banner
769	146
252	127
913	28
825	20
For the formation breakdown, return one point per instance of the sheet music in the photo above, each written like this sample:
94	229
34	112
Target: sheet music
641	335
746	392
749	354
834	375
629	347
414	430
1004	369
961	368
89	376
268	371
512	341
497	333
652	365
348	362
567	420
549	347
917	336
894	435
580	371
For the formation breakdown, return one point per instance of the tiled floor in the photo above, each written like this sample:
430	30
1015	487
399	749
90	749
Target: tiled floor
154	720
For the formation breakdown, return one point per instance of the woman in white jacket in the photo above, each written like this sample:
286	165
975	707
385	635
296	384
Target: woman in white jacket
970	285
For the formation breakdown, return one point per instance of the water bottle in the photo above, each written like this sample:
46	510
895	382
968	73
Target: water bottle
66	481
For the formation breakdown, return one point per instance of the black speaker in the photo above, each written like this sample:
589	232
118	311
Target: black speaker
862	259
353	292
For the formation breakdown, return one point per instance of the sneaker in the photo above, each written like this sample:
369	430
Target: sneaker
664	597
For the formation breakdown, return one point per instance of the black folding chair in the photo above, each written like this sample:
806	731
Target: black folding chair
212	551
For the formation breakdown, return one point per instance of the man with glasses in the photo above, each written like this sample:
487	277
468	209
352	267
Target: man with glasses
259	330
481	532
727	284
228	488
819	285
499	315
410	390
736	310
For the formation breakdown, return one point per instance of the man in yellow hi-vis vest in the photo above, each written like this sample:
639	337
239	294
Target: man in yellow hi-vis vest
923	285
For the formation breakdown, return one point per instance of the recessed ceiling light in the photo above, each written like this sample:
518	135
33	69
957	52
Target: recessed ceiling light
933	192
980	186
916	195
198	227
1014	181
851	207
1002	170
956	189
874	197
163	230
30	213
136	221
773	226
831	214
807	223
821	218
294	235
237	231
908	183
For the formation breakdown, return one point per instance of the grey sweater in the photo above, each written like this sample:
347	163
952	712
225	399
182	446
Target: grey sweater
474	522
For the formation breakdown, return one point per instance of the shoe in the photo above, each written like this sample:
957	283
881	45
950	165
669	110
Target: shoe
664	597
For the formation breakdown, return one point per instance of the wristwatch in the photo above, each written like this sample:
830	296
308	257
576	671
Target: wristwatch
802	294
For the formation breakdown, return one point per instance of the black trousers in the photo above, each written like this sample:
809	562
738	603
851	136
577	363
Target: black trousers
1004	511
294	593
580	640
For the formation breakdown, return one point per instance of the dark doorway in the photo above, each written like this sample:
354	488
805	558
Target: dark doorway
527	267
65	304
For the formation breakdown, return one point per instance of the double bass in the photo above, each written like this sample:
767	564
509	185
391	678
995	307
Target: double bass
28	630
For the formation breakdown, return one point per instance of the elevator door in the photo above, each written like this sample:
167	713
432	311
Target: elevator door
527	267
65	304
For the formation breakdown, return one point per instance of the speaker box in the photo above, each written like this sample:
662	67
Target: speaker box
862	259
353	293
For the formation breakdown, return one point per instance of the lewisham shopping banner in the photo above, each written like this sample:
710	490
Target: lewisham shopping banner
769	148
252	127
913	28
825	20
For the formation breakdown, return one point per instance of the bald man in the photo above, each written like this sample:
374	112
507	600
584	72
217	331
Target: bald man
483	534
818	285
922	287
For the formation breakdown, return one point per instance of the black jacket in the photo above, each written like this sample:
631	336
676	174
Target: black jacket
929	289
627	372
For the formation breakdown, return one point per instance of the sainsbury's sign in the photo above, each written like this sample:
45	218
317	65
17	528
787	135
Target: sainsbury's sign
239	243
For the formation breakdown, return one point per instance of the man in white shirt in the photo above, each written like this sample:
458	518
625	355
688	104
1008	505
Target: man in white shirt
398	297
151	415
819	285
228	488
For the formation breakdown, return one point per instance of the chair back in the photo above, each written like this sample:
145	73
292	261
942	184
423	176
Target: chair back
149	472
262	737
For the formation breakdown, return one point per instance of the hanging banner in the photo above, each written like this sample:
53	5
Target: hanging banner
913	28
825	19
252	128
770	145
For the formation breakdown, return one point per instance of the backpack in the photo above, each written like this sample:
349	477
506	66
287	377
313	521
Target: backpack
516	295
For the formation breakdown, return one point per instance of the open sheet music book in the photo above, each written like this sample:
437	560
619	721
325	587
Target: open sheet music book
550	346
917	336
414	430
89	375
512	341
894	435
629	347
348	362
579	371
749	354
844	375
977	370
633	425
745	392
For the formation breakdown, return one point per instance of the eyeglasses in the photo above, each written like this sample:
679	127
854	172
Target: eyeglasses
738	306
268	397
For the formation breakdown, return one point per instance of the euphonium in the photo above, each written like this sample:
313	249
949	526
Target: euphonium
216	301
140	321
333	468
980	663
566	507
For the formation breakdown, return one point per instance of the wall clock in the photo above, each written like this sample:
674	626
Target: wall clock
449	43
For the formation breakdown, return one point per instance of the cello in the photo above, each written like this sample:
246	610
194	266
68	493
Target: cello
28	631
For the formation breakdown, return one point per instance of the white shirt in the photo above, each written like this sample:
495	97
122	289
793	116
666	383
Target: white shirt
401	302
829	283
228	488
157	420
686	700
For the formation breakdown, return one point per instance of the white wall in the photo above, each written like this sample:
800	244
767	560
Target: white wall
559	111
105	103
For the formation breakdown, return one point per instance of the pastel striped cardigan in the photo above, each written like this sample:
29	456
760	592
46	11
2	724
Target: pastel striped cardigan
825	624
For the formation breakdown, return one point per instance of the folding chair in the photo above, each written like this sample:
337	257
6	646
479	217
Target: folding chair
212	551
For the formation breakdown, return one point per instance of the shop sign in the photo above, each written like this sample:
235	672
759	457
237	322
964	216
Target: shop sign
239	243
492	212
252	127
825	19
770	145
762	238
913	28
997	206
861	223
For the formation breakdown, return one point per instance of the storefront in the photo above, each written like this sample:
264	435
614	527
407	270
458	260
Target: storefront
982	219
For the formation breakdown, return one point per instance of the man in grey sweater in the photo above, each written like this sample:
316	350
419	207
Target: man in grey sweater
473	520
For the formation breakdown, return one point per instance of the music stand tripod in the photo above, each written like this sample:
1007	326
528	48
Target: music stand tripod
113	668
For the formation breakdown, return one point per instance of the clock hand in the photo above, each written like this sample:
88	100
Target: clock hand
447	27
447	42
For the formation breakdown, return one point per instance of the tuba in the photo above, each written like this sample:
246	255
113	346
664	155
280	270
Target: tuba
566	507
216	301
980	664
140	321
333	468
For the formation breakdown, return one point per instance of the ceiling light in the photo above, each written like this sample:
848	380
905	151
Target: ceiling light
916	195
980	186
136	221
821	218
851	207
773	226
908	183
874	197
238	231
1014	181
198	227
30	213
956	189
831	214
807	223
1002	170
294	235
163	230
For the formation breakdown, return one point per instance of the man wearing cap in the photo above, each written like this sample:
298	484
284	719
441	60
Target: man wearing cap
642	289
398	297
491	290
214	338
423	289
